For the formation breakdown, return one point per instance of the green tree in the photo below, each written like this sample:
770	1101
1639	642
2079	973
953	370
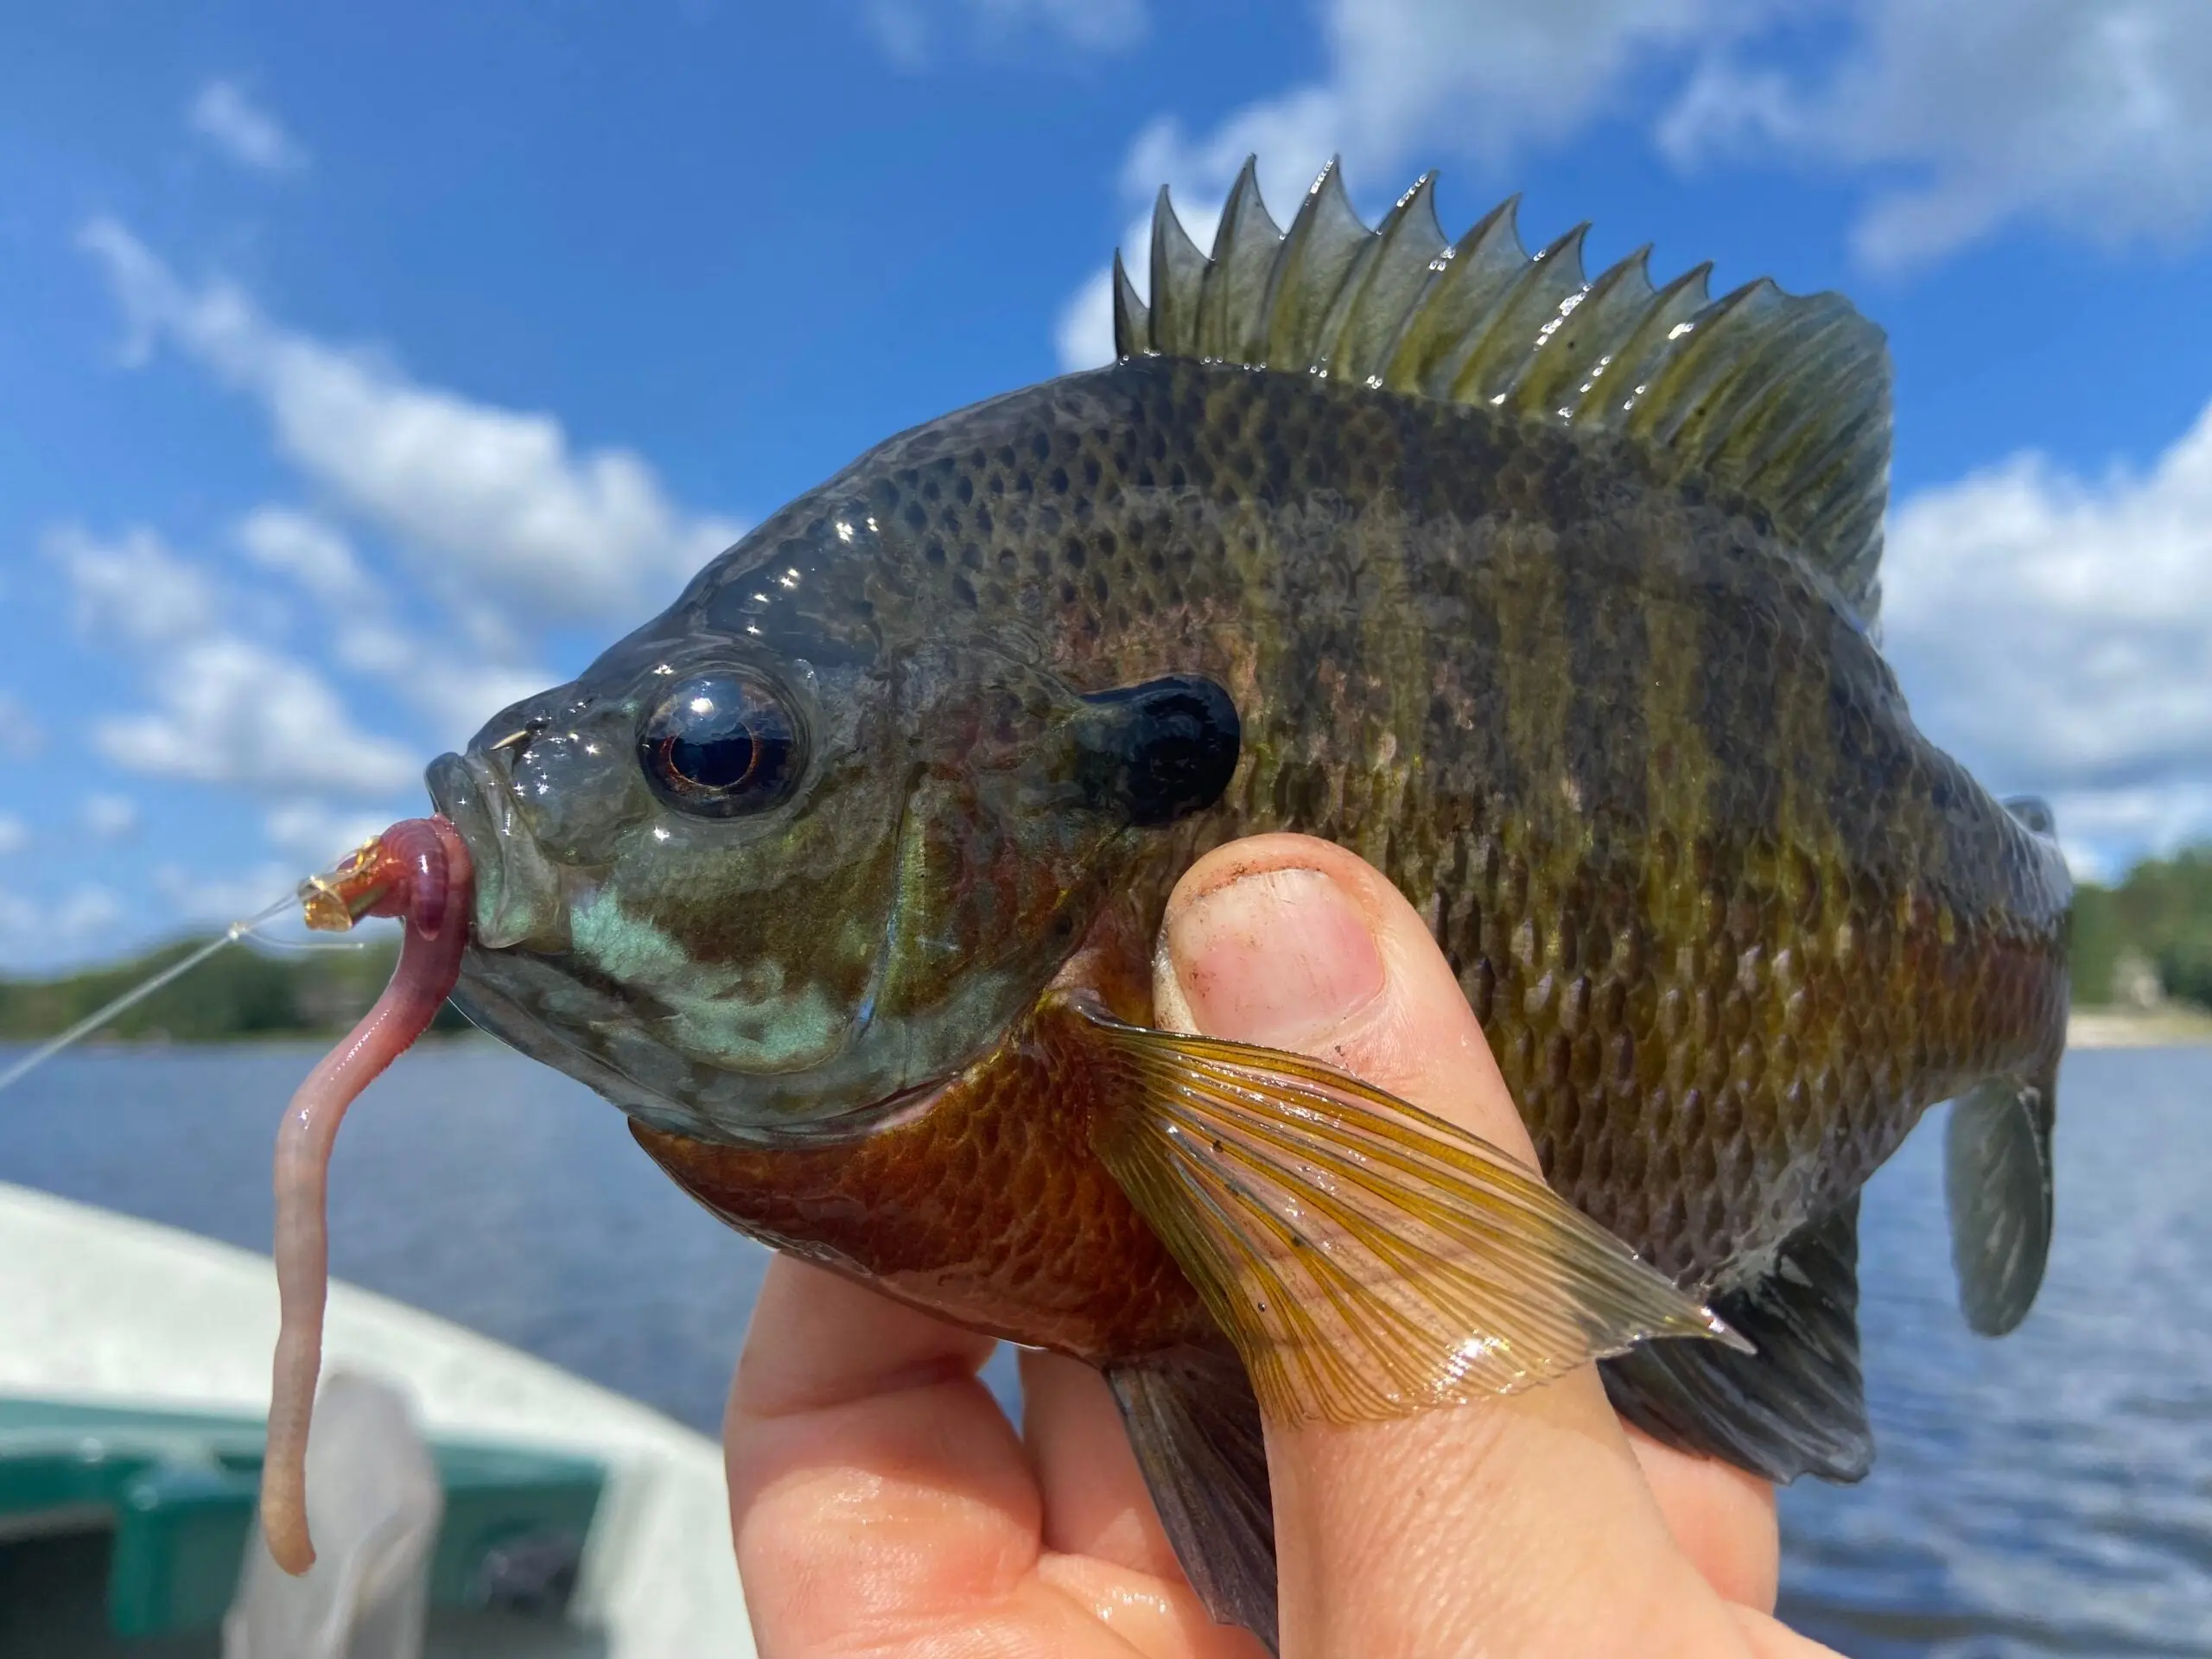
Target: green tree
2162	912
245	992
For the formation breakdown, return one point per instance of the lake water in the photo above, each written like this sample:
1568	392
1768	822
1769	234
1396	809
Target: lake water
2048	1494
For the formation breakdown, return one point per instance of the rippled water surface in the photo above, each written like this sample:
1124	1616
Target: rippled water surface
2048	1494
2051	1493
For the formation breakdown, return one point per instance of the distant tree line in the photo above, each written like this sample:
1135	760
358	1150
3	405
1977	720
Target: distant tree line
244	992
2159	920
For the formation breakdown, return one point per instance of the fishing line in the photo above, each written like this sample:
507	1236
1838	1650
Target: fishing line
145	988
269	943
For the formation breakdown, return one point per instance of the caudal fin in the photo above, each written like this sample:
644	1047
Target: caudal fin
1997	1180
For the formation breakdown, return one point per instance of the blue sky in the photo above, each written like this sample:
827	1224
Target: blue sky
360	371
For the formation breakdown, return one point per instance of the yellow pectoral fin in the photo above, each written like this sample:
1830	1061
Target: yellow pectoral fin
1367	1259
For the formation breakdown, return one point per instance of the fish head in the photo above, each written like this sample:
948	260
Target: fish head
785	860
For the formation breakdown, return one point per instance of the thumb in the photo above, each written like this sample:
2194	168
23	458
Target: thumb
1520	1525
1295	944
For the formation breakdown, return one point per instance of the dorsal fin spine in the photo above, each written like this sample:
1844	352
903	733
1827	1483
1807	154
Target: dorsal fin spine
1695	372
1497	355
1399	263
1317	251
1802	440
1637	361
1474	270
1178	271
1575	357
1132	317
1782	403
1236	276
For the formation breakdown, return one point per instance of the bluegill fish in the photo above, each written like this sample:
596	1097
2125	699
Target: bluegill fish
1554	598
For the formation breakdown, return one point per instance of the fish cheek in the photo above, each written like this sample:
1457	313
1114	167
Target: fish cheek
753	1016
1006	863
756	944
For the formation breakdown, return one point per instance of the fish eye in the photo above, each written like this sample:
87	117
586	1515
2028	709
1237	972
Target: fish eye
721	745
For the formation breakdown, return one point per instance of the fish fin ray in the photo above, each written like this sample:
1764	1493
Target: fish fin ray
1366	1259
1495	359
1132	317
1234	290
1397	262
1797	1406
1782	401
1178	273
1997	1185
1318	252
1194	1425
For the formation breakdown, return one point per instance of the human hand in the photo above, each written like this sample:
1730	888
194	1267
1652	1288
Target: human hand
881	1501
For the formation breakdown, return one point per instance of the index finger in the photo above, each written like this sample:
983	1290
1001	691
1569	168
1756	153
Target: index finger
874	1484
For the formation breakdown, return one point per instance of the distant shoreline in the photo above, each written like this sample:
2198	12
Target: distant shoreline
2167	1027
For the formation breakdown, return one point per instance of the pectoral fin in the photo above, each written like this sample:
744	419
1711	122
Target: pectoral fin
1368	1259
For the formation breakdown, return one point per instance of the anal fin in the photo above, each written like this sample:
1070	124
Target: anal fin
1194	1424
1998	1184
1798	1406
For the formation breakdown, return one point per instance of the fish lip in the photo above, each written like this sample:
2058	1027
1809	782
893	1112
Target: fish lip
518	889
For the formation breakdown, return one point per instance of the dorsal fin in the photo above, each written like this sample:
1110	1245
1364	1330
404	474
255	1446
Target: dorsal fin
1782	400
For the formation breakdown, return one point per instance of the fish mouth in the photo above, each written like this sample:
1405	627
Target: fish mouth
519	897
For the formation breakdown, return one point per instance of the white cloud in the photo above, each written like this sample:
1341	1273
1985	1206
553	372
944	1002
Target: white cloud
902	31
311	552
908	31
1083	337
457	684
460	696
314	835
37	934
2056	634
1423	79
15	836
457	690
444	536
1096	25
2094	119
111	817
496	502
233	711
134	586
221	113
229	710
21	735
